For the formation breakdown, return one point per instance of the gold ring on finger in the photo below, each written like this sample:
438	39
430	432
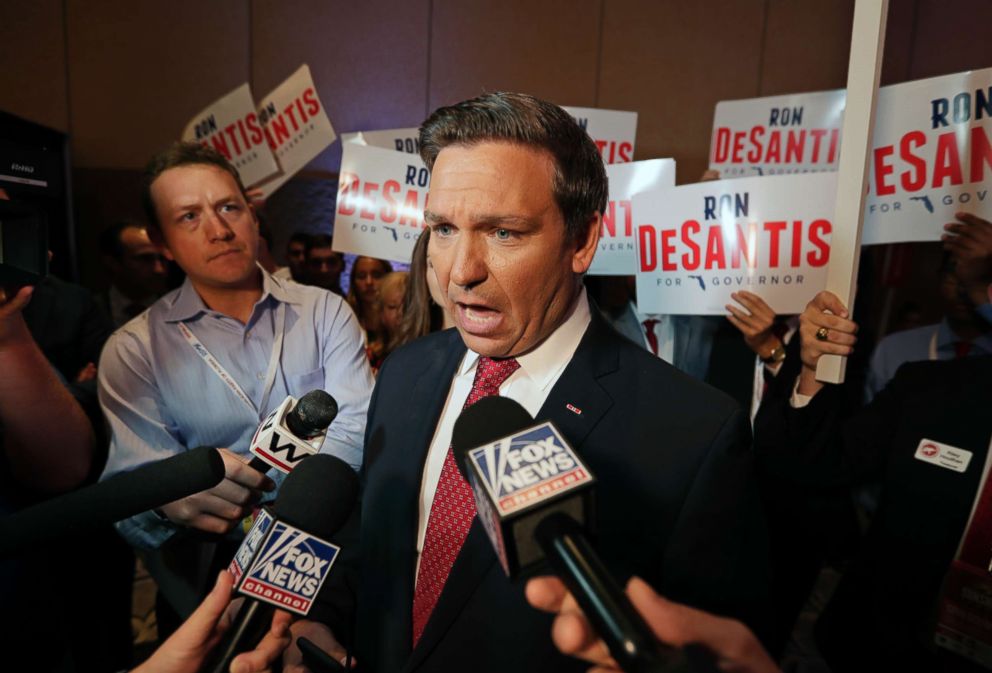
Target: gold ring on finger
821	334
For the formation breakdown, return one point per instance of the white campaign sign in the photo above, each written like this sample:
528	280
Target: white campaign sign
931	157
616	254
231	126
778	134
296	125
931	150
698	243
400	140
381	199
613	131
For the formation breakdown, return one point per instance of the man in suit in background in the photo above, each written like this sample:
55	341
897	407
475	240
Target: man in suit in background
516	197
137	268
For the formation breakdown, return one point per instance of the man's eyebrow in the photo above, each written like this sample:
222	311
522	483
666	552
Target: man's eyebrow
435	218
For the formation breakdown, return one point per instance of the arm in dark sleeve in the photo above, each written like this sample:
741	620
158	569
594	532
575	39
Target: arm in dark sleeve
717	557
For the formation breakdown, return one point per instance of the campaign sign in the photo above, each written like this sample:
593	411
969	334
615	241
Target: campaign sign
276	444
289	569
527	468
613	131
246	552
231	126
776	135
616	254
931	157
696	244
296	126
400	140
381	199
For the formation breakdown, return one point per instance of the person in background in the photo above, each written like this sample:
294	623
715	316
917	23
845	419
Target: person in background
296	255
138	271
392	289
423	304
961	333
265	258
323	264
363	290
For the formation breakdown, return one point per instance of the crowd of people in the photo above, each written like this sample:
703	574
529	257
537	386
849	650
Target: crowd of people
734	509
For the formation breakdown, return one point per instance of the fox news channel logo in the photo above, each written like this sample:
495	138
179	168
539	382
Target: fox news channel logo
527	468
250	544
289	569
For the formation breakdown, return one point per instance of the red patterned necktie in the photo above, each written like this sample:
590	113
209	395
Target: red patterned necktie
649	333
453	508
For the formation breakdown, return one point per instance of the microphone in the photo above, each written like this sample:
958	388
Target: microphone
294	431
119	497
285	557
534	497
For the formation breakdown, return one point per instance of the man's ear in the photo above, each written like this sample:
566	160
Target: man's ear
585	244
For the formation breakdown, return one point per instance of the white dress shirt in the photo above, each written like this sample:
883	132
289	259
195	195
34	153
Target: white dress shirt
530	385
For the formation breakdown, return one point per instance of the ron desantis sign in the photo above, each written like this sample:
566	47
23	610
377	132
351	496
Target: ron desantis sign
698	243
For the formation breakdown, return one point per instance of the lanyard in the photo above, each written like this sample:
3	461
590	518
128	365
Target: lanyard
218	369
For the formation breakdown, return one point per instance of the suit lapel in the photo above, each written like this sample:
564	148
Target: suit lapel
577	387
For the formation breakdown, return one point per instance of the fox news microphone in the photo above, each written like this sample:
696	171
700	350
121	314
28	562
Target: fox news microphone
294	431
286	556
534	497
119	497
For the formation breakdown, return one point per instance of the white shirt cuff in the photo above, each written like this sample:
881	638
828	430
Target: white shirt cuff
798	400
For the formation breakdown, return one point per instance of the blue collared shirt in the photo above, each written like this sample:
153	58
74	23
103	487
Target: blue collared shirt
915	345
160	397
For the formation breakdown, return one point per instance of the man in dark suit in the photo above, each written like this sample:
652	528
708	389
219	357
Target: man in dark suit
516	197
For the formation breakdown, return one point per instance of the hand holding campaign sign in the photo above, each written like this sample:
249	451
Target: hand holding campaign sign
616	253
231	126
613	131
381	200
698	243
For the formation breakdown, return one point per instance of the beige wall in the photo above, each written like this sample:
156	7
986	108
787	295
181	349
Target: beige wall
124	77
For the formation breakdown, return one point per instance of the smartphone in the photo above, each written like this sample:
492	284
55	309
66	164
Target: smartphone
23	245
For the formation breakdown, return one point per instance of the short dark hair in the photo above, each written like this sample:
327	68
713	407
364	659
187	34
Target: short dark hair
320	241
110	241
299	237
580	185
182	154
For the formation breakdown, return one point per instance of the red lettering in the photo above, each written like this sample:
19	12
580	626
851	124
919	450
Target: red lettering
746	245
279	130
754	156
883	170
721	145
981	153
299	108
217	140
348	185
368	199
244	136
821	255
310	98
735	157
256	133
667	250
411	209
774	230
774	148
948	163
391	187
834	140
817	137
907	143
647	242
292	117
714	249
234	141
797	241
794	144
610	220
690	260
626	153
628	218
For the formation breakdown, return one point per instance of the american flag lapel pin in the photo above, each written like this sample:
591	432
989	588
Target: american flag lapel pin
574	409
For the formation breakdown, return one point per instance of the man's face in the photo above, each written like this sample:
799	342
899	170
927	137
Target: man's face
324	268
141	267
207	226
499	247
296	254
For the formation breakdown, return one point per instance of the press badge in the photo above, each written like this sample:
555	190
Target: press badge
943	455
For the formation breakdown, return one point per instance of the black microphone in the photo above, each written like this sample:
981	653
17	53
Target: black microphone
119	497
529	486
292	432
286	556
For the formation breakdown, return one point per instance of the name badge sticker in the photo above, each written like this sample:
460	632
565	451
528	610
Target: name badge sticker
944	455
